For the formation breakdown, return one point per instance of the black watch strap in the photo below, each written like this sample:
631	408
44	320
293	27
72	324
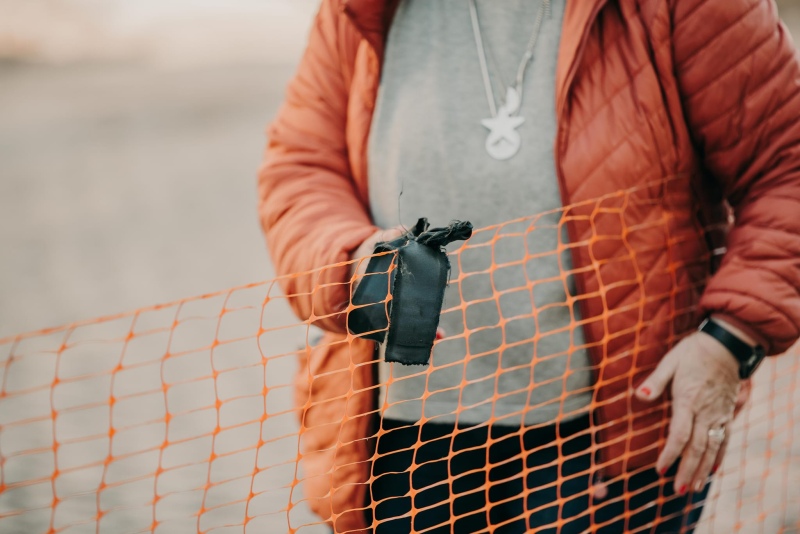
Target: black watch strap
749	357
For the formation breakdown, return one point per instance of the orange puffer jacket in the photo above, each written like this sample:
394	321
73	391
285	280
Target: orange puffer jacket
707	90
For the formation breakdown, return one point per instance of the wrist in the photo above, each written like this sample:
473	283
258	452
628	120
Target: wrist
722	356
736	328
739	346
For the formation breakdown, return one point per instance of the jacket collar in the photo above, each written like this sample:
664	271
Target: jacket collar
579	17
373	17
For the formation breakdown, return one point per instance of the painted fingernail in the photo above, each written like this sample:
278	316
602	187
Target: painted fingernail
683	489
662	471
645	391
715	469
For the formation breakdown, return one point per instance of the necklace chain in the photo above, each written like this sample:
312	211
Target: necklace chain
544	9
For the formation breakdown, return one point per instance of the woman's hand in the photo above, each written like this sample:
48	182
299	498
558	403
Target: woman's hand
367	248
705	391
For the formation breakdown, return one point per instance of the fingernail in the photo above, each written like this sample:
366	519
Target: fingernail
645	391
439	333
683	489
663	471
715	469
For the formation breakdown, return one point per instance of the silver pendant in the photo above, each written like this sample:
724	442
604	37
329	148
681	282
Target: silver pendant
503	141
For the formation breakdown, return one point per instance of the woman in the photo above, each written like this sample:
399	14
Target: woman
451	106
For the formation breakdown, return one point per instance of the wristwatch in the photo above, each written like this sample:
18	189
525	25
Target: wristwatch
748	356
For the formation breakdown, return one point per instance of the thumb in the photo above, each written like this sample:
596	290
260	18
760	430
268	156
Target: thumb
357	268
390	234
655	384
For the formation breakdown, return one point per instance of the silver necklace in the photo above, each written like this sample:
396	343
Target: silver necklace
503	141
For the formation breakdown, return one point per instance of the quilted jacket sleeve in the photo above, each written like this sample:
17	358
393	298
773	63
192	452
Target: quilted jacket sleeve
739	77
309	209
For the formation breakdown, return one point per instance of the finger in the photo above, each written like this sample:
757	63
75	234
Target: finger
359	270
680	431
720	456
706	465
655	384
599	490
692	456
360	267
390	234
365	251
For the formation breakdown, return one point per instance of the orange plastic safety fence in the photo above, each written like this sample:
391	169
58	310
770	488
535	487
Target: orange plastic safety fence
189	417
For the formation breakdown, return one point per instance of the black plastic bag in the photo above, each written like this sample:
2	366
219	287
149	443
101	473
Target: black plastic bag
416	284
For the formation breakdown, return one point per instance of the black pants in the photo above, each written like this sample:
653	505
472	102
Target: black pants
534	483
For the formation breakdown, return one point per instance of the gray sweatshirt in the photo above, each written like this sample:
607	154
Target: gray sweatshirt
512	350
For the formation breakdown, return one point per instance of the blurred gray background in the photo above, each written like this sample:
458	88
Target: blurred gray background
130	137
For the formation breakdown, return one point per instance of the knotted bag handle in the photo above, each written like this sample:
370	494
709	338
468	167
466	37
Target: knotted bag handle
416	283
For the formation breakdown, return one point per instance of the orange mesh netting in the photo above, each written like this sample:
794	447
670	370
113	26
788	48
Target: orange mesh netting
182	417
